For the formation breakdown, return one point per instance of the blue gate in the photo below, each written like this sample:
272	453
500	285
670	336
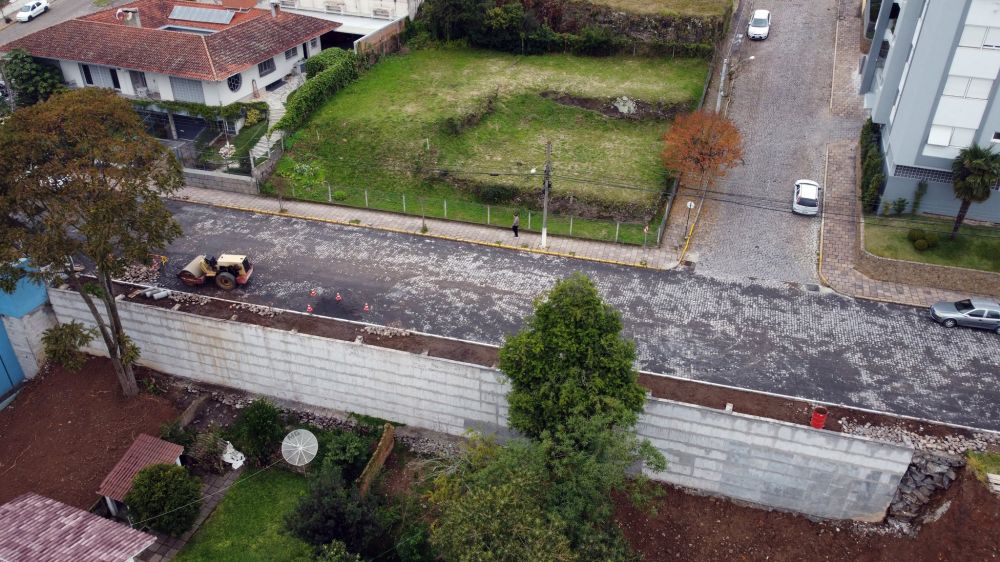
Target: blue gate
11	373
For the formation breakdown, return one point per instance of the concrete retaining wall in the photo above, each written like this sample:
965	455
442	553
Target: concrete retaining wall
763	461
220	181
773	463
25	335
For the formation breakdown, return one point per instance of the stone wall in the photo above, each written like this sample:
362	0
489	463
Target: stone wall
771	463
220	181
25	335
572	16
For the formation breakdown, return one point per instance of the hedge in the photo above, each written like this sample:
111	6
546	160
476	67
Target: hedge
208	112
317	89
325	59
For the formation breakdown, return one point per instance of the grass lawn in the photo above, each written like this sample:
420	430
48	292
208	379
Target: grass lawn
976	247
248	525
984	463
669	7
379	132
247	138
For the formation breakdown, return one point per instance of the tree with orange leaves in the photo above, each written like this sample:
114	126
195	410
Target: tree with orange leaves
702	145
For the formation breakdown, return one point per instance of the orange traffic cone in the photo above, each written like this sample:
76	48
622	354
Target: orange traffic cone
339	298
366	307
312	292
309	308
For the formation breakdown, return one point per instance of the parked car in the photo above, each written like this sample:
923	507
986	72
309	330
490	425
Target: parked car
974	313
32	10
805	200
760	25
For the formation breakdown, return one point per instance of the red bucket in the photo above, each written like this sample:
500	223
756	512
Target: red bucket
819	417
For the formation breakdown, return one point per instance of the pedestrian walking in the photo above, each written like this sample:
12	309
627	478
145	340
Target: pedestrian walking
516	223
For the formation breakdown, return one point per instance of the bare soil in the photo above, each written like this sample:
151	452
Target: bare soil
65	431
643	110
695	528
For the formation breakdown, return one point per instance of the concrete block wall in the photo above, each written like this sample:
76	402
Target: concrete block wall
771	463
25	335
220	181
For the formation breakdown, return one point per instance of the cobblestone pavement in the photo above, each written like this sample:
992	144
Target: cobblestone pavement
660	258
780	101
764	335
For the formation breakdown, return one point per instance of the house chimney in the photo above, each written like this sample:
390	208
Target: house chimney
131	17
275	8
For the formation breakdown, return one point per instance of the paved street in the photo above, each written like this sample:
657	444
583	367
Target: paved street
59	11
767	336
780	101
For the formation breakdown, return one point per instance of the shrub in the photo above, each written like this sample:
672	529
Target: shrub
494	193
414	544
932	239
253	117
206	452
871	194
340	195
62	344
899	205
257	431
918	196
336	552
921	245
317	89
173	432
596	41
347	451
915	234
326	59
165	497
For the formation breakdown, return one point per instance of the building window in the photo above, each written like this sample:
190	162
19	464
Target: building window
996	137
291	53
234	82
966	87
187	90
314	43
87	78
980	37
940	135
266	67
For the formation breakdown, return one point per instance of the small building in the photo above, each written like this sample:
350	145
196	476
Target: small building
23	318
145	451
34	528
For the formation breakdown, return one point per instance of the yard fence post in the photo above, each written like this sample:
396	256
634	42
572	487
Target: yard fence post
571	225
329	192
529	220
618	225
366	198
445	208
487	214
404	203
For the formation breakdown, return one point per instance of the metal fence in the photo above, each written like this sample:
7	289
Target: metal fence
501	216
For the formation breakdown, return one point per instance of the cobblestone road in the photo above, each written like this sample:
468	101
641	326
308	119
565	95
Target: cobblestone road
780	101
769	336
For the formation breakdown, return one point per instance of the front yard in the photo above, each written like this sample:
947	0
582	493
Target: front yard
485	118
976	247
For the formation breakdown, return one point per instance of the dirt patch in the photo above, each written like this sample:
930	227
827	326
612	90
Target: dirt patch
621	108
693	528
65	431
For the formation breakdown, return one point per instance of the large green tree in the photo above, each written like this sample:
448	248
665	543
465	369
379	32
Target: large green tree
976	171
80	178
570	361
30	81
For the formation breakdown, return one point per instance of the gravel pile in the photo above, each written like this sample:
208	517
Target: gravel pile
141	274
265	311
949	444
385	331
188	298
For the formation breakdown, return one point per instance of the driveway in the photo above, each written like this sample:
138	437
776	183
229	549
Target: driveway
769	336
780	102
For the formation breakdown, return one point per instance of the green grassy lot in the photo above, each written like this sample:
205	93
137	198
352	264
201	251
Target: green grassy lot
248	525
669	7
984	463
384	131
247	138
976	247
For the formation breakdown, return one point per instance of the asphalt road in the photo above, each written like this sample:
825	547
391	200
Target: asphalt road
769	336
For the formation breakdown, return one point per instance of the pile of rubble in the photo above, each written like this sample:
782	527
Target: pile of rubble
141	274
928	473
385	331
265	311
948	444
188	298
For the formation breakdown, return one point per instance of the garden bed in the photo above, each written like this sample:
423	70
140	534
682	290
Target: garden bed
976	247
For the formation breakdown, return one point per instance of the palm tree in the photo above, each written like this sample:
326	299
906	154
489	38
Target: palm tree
976	170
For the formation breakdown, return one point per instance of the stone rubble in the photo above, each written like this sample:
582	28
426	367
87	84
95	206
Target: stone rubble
188	298
385	331
265	311
142	274
949	444
928	474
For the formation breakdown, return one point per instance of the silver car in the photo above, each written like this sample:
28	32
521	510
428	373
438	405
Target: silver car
974	313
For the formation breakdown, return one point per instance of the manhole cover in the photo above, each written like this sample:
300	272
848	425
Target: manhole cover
812	287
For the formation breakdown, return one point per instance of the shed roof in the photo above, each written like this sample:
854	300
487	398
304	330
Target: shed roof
147	450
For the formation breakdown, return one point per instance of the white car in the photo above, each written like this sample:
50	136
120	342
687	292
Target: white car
760	25
32	10
806	198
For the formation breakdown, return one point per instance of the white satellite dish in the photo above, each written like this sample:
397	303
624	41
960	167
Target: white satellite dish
299	447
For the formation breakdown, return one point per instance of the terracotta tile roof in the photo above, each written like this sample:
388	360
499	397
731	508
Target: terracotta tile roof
251	37
145	451
34	528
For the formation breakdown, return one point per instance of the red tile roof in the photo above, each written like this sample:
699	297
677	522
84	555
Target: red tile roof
251	37
146	450
34	528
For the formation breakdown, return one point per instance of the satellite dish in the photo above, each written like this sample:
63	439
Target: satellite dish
299	447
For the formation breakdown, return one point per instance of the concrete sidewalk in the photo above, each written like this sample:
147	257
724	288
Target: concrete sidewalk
619	254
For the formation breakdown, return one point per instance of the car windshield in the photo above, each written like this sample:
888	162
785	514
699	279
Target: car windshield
758	22
807	202
964	306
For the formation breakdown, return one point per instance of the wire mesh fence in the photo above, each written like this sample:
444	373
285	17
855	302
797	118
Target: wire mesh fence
502	216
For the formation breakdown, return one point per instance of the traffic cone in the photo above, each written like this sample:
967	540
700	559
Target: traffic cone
309	308
366	307
339	298
312	292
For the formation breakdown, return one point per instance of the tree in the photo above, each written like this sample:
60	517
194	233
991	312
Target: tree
570	361
80	177
702	145
165	497
29	81
976	171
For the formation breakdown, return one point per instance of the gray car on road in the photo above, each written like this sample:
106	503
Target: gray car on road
974	313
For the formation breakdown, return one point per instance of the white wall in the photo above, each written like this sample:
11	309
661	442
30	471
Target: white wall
365	8
25	335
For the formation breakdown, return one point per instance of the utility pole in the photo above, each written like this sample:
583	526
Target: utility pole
546	185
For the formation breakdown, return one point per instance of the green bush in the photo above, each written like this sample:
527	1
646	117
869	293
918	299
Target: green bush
206	452
62	344
916	234
494	193
257	431
325	59
414	544
932	239
164	497
336	552
870	197
173	432
317	89
347	451
340	195
596	41
899	205
918	196
921	245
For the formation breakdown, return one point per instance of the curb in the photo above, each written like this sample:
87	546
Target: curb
426	235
